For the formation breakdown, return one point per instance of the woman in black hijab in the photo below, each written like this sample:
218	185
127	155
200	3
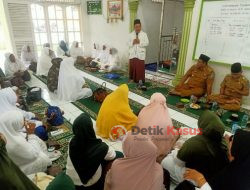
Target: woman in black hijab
88	155
237	174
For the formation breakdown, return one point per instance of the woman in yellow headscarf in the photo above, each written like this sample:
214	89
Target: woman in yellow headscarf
115	110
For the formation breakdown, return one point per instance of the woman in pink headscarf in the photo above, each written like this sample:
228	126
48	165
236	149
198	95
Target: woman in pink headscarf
139	169
156	115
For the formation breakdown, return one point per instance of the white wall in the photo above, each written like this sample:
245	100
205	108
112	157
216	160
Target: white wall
173	17
220	70
97	30
150	15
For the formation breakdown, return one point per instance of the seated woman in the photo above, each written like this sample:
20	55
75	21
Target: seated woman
28	58
8	100
53	55
52	79
138	169
87	155
96	51
32	155
205	152
112	63
11	177
156	114
44	62
75	50
236	174
102	57
94	54
77	53
62	49
71	84
115	110
15	69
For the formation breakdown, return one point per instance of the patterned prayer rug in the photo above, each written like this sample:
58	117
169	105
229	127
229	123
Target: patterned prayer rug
63	139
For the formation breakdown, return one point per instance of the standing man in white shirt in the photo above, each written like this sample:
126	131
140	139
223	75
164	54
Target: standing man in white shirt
138	41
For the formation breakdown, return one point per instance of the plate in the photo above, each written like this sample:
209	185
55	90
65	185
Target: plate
195	106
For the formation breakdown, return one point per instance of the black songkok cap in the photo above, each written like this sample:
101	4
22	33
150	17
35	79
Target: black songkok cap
137	21
236	68
204	58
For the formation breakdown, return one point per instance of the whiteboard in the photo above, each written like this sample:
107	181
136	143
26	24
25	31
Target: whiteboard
224	32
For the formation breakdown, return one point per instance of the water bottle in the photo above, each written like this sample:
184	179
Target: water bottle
235	127
244	121
214	106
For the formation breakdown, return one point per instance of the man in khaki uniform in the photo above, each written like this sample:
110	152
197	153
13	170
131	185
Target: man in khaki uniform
198	80
233	87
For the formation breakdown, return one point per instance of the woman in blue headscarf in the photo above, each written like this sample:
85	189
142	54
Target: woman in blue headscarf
62	49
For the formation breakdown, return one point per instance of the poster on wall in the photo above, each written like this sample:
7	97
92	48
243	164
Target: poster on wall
115	9
94	7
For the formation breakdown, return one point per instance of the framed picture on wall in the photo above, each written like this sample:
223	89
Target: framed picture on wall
115	9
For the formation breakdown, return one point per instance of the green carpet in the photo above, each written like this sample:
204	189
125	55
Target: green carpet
39	108
92	107
152	86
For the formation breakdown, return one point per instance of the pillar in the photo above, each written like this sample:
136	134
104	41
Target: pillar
188	12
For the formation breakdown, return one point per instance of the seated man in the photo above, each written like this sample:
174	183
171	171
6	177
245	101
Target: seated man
198	80
233	87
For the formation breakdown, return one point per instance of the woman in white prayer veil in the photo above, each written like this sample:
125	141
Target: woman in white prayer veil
8	100
53	55
27	56
44	62
96	51
71	84
30	152
113	63
76	51
103	55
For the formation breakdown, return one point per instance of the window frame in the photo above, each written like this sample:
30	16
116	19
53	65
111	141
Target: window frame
64	6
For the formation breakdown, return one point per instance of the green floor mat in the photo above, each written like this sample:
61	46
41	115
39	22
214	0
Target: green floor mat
152	86
39	108
92	107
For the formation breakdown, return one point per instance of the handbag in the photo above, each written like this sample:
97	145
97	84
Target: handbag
100	93
34	94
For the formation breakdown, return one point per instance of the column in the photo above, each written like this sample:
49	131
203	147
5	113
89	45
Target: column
188	12
133	7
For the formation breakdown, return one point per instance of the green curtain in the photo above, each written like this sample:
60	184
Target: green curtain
133	7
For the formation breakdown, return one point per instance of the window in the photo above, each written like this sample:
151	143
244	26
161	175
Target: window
56	24
62	22
39	24
73	23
